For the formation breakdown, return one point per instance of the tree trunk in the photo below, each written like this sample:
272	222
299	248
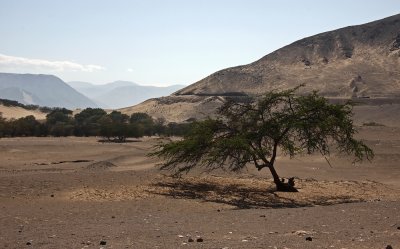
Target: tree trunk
281	186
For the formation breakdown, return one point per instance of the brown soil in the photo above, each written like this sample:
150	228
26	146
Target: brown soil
81	193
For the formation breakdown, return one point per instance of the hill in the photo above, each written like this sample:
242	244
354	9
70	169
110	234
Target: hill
42	90
357	62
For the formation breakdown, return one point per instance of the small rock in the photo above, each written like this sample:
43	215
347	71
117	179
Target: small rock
218	210
302	232
190	240
262	216
199	239
244	240
103	243
180	236
398	228
113	217
51	195
309	238
28	243
389	247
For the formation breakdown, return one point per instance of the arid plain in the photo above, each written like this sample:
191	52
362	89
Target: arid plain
80	193
74	192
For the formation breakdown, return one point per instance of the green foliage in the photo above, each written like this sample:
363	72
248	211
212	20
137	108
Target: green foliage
252	132
115	127
87	122
26	126
144	121
59	115
59	122
118	117
2	125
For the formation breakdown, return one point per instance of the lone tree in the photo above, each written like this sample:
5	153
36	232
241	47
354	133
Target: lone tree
253	132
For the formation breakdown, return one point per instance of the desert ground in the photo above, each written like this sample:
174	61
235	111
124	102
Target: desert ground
81	193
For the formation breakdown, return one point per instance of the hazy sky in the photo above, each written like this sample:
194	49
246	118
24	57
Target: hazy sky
162	42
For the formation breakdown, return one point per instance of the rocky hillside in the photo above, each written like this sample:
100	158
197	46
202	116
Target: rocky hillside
361	62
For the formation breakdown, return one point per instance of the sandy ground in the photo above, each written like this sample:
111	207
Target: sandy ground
81	193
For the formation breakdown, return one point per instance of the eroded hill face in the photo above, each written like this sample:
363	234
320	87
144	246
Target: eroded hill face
356	61
361	62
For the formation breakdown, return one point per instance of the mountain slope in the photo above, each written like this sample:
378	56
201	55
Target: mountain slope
120	94
43	90
358	62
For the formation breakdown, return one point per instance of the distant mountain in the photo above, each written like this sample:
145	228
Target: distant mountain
42	90
120	94
357	62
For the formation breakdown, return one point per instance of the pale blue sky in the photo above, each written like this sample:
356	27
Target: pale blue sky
162	42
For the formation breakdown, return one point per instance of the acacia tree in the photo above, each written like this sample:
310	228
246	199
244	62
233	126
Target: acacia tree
255	131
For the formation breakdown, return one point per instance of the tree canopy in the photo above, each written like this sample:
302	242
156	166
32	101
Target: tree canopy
255	131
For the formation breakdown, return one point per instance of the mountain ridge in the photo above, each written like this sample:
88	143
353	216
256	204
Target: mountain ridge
119	94
360	62
316	55
41	89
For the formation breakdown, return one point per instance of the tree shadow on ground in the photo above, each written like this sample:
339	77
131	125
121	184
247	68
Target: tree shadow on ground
243	195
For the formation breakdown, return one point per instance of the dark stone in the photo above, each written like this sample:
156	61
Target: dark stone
308	238
28	243
113	217
389	247
396	43
103	243
199	240
262	216
51	195
398	228
190	240
306	62
218	210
